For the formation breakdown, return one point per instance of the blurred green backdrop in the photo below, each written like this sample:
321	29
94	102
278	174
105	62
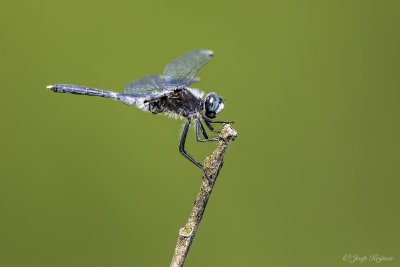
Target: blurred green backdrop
313	87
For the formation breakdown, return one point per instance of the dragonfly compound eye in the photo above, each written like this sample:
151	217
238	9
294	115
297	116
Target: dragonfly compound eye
212	102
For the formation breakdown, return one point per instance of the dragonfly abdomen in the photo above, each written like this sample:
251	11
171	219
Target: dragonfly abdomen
81	90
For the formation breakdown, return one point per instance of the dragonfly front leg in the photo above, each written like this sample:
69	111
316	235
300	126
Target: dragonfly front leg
211	121
200	126
208	122
210	127
182	146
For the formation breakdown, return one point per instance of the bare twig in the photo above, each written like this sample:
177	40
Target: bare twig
212	166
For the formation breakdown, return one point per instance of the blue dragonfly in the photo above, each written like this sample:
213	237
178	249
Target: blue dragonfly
168	93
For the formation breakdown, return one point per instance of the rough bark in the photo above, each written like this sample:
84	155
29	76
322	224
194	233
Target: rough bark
212	167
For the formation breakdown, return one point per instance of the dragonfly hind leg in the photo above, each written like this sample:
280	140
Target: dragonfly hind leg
182	146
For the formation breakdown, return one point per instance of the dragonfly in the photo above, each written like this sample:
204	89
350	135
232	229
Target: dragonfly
168	93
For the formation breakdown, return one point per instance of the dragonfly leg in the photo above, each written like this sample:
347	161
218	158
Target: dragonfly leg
200	126
211	121
182	146
208	122
210	127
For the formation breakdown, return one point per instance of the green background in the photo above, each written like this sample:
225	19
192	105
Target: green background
313	88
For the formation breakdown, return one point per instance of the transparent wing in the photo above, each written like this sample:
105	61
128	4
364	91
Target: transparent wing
182	70
146	85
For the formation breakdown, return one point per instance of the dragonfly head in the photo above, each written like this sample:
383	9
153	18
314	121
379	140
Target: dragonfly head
213	105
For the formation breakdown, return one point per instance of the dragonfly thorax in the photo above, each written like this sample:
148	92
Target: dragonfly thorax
182	102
